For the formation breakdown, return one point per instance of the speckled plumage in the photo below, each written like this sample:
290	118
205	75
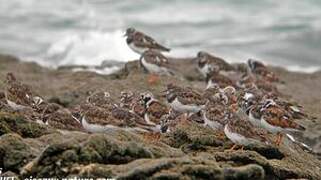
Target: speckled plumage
155	62
140	42
241	132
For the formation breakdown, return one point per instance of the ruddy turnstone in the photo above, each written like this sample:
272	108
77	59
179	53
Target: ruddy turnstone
133	102
101	99
184	100
215	115
242	132
259	68
249	80
170	121
221	80
206	62
140	42
97	120
19	96
211	92
273	118
156	64
295	110
154	109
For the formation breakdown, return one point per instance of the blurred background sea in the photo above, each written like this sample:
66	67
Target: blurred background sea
86	32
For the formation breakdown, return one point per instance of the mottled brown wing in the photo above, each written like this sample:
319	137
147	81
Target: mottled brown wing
191	97
216	113
222	80
97	115
144	41
278	117
221	63
156	58
130	119
19	93
268	75
246	129
156	110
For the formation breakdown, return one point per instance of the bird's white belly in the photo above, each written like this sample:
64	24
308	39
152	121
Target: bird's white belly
204	70
15	106
212	124
95	128
236	138
185	108
152	68
136	49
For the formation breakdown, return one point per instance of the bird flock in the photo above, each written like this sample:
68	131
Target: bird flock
240	100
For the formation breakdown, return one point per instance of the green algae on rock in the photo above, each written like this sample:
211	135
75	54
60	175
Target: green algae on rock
13	123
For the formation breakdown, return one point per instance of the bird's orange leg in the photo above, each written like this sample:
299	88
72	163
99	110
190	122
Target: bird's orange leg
153	79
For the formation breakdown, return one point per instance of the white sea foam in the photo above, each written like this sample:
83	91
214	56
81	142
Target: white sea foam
91	48
73	32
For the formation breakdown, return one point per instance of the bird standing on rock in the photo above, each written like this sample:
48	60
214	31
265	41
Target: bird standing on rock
19	96
241	132
207	61
154	109
184	100
273	118
140	42
156	64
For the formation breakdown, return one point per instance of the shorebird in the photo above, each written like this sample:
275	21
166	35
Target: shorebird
220	80
101	99
273	118
241	132
133	102
19	96
97	120
215	115
154	109
156	64
260	69
207	61
184	100
140	42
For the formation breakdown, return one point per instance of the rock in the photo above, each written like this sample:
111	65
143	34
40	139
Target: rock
122	147
193	136
14	153
12	123
199	167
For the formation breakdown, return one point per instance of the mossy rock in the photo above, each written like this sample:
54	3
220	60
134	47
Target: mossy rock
15	153
192	136
202	166
58	159
12	123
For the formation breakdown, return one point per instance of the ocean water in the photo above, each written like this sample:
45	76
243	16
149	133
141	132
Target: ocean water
86	32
